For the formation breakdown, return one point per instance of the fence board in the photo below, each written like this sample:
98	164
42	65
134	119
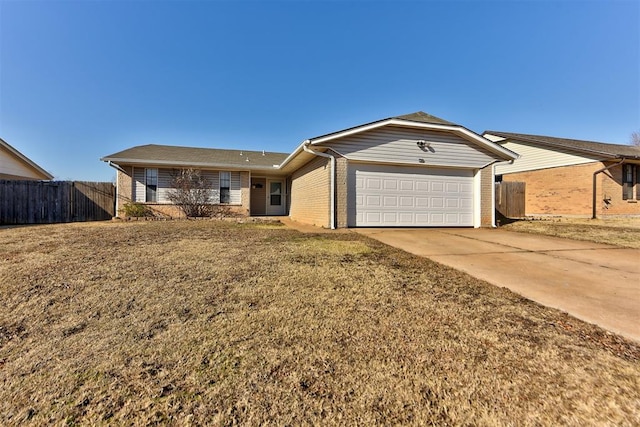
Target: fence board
510	199
45	202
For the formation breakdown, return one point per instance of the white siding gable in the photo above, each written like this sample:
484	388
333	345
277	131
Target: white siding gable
10	165
535	158
398	145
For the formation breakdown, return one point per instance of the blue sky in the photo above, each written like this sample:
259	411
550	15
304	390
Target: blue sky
83	79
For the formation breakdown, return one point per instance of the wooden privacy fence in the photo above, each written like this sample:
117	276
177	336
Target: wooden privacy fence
510	198
46	202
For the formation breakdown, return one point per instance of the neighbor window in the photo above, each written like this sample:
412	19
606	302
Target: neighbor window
628	175
225	184
151	184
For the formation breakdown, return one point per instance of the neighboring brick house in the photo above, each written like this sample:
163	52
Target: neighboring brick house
560	174
411	170
15	165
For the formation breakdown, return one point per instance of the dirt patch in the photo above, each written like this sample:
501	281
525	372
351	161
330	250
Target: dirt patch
623	232
216	323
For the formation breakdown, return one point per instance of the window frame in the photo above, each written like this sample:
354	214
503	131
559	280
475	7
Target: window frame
151	185
629	179
224	191
277	195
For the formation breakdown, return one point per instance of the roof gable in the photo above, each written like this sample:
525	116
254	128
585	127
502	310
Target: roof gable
420	120
601	149
26	164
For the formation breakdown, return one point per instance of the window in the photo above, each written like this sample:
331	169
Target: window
151	184
275	194
225	185
628	172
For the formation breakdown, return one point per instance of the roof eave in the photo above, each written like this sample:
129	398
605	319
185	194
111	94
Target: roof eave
248	166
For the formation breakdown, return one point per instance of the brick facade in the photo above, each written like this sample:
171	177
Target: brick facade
568	191
124	187
342	192
310	193
486	197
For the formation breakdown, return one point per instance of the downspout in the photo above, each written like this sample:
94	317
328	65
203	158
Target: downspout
594	216
306	148
116	167
117	201
493	190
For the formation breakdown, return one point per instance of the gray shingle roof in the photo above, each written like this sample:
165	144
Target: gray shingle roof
421	116
189	156
591	147
418	116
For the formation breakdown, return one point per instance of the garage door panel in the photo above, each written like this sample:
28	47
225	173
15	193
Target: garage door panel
406	196
408	202
437	186
407	185
373	201
390	201
391	184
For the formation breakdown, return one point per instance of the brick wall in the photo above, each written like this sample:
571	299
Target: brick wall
245	193
124	187
310	193
486	197
342	192
568	190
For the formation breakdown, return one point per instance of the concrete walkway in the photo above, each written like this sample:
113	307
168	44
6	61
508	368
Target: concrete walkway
594	282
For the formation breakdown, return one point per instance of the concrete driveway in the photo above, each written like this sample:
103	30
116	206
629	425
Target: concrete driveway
596	283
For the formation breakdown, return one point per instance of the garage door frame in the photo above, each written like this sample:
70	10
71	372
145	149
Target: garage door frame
467	180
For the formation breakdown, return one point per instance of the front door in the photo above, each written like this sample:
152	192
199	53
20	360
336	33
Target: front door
275	201
258	196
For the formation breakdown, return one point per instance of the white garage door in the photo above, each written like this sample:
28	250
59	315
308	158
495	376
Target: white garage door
392	196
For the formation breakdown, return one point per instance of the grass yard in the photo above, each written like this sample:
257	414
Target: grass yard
216	323
613	231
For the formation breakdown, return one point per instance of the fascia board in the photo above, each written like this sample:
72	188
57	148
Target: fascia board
185	164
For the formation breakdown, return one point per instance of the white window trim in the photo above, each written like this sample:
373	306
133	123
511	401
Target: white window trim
228	174
146	185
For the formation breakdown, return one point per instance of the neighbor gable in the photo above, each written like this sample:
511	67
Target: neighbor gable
14	165
533	157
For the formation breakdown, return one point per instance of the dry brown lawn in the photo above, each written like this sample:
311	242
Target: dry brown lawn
614	231
215	323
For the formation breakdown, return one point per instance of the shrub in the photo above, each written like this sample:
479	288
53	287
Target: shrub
135	210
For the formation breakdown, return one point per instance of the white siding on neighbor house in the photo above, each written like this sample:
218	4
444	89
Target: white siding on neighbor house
535	158
10	165
395	144
164	185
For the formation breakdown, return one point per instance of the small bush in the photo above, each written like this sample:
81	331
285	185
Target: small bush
135	210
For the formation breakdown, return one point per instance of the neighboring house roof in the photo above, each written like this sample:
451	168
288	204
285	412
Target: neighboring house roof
16	156
587	147
153	154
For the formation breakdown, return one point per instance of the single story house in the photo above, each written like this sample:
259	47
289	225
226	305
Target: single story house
571	177
413	170
15	165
